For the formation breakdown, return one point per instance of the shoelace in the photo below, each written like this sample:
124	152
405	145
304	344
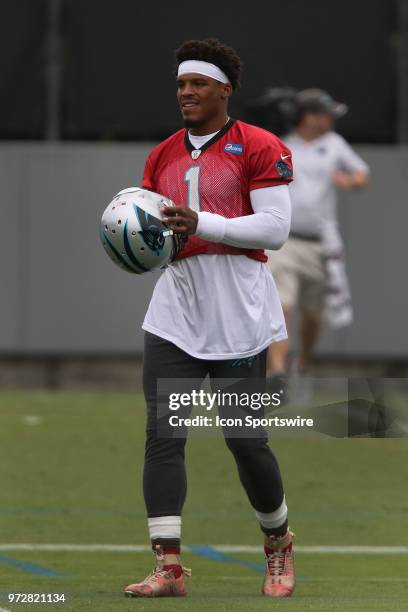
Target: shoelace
278	564
159	573
154	575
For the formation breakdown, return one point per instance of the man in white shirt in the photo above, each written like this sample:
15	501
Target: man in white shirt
324	161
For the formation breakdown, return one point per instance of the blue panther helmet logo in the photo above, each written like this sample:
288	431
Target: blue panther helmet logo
152	230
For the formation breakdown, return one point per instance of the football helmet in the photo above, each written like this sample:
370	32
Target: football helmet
133	234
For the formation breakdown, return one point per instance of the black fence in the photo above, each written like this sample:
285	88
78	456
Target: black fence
92	69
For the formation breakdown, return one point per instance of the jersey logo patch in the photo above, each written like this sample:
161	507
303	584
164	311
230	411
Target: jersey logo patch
196	153
236	149
285	171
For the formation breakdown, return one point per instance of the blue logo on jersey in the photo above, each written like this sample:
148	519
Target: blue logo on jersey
236	149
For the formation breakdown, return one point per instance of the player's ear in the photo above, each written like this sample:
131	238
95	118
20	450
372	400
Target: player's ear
226	90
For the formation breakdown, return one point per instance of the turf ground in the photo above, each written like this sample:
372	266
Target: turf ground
70	473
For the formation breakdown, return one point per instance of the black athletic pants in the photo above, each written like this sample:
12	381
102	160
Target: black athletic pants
164	479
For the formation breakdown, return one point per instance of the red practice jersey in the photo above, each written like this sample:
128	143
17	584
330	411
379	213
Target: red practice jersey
218	177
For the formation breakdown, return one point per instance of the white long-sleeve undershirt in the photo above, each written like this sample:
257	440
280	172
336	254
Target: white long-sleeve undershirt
268	228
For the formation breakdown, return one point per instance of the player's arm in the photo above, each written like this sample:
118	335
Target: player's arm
353	172
267	228
350	180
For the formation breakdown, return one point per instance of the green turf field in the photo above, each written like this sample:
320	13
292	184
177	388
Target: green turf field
70	473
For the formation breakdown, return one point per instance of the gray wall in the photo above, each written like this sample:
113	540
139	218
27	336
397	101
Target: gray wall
60	293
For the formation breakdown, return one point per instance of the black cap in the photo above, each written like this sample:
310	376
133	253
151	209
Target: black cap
319	101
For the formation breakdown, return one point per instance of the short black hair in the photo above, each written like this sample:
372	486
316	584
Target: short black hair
213	51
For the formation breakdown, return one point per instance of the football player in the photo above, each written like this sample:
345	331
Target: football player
216	309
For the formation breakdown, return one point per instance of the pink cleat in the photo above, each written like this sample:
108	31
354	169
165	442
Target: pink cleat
280	574
160	582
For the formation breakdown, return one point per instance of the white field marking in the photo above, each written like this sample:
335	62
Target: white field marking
314	579
78	547
129	548
31	419
337	550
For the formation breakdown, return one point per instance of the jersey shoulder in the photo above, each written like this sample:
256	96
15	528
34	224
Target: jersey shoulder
256	137
334	139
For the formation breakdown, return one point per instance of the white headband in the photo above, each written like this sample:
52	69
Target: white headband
205	68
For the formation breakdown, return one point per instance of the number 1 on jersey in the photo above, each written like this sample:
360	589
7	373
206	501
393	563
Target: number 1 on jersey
192	177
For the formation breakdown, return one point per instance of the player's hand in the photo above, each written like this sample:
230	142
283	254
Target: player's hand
351	180
343	180
180	219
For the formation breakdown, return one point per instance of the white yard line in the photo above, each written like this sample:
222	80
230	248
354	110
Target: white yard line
127	548
337	550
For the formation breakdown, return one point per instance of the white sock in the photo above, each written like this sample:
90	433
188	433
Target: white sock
164	527
272	520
